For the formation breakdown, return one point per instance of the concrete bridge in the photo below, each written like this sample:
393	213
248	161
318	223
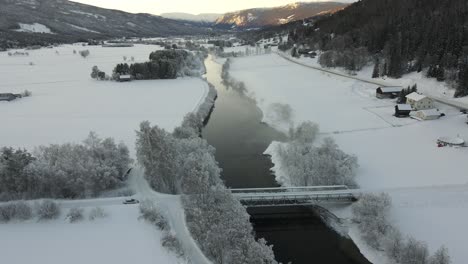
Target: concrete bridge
287	196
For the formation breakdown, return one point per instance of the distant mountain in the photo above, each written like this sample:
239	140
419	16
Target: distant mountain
261	17
45	21
194	18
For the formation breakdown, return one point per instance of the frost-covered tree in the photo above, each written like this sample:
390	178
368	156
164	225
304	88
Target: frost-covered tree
13	162
393	244
414	252
371	214
64	171
305	133
95	72
47	210
311	165
97	213
441	256
75	215
157	152
84	53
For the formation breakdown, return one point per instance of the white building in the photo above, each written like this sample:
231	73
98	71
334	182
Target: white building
428	114
419	101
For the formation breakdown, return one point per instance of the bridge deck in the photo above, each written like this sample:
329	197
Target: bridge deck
294	196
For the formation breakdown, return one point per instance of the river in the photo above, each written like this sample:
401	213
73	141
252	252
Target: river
298	234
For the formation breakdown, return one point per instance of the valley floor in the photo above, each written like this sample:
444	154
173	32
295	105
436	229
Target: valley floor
66	104
399	156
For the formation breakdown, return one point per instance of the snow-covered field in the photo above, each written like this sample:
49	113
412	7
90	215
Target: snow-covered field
428	86
119	238
398	156
66	104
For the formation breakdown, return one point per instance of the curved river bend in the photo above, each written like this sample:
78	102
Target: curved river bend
298	234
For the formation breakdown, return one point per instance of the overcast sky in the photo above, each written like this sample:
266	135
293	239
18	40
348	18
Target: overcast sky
188	6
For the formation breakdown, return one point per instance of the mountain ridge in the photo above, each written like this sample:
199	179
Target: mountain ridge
67	21
271	16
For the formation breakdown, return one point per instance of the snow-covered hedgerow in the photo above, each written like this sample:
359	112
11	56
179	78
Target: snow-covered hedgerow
63	171
15	211
183	163
371	214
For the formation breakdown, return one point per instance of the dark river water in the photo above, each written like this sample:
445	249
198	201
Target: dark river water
298	234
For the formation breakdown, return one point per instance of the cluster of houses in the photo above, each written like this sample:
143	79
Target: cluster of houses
417	105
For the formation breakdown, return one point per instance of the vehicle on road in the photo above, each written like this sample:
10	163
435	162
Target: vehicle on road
131	201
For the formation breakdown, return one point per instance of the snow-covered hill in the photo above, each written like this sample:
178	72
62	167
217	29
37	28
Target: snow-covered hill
63	20
259	17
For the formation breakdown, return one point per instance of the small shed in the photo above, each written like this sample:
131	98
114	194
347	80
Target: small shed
427	114
8	97
419	101
388	92
403	110
452	142
125	78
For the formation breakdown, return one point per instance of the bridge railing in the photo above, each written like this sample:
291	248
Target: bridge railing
290	189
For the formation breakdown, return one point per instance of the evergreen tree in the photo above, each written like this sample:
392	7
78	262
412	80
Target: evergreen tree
375	72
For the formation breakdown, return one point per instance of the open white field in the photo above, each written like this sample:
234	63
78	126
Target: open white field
118	239
428	86
67	104
394	154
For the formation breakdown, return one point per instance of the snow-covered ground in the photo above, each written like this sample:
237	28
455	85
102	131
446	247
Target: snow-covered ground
34	28
399	156
119	238
428	86
66	104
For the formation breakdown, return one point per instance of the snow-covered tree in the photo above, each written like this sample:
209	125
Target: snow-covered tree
75	215
414	252
84	53
97	213
441	256
47	210
310	165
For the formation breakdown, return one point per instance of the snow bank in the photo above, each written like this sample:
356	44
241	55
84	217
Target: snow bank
119	239
393	153
66	103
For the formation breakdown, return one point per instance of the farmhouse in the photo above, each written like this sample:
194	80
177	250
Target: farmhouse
428	114
125	78
8	96
419	101
388	92
403	110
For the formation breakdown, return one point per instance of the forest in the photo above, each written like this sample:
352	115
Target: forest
427	36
